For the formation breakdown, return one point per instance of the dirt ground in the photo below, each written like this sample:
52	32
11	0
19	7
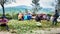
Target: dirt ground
4	32
47	31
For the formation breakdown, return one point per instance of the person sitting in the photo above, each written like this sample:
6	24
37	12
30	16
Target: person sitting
25	17
20	16
29	16
3	22
38	20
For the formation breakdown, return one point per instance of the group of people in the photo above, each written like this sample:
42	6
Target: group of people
29	16
38	17
26	16
52	18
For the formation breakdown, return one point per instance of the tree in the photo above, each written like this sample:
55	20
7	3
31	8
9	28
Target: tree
58	1
26	10
35	5
2	2
58	6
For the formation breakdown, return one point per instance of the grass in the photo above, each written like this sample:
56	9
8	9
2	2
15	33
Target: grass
28	25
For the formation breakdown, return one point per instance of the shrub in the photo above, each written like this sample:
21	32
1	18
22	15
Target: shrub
0	15
8	16
15	16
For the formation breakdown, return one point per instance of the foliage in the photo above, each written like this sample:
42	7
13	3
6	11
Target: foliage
36	5
49	14
26	10
2	2
58	1
15	16
8	16
6	1
0	15
21	27
35	2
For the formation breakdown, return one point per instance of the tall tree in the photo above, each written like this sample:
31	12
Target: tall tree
26	10
2	2
58	6
35	5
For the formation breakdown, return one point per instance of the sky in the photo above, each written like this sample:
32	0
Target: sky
43	3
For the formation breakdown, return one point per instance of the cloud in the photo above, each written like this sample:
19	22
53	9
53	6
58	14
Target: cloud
43	3
47	3
19	2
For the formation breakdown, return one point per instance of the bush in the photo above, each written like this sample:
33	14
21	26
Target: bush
0	15
15	16
8	16
49	14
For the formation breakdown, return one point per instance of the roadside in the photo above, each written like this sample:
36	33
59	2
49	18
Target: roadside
46	31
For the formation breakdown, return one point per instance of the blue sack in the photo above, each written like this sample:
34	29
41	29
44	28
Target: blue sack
25	17
29	17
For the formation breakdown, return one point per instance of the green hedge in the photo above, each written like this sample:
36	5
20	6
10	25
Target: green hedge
13	16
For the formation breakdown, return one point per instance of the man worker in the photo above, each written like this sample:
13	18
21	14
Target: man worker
56	15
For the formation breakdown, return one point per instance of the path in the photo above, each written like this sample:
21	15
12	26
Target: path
47	31
4	32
